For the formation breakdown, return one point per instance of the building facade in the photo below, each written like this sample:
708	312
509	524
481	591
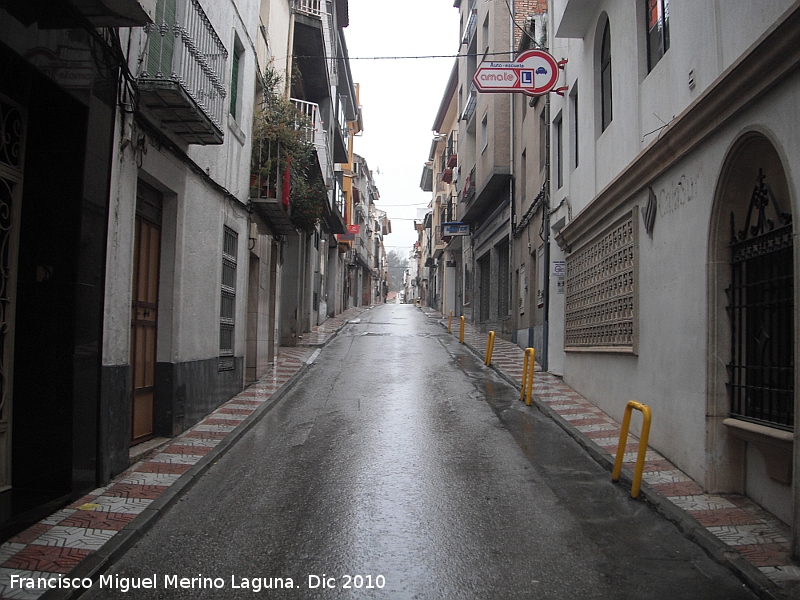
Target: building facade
672	208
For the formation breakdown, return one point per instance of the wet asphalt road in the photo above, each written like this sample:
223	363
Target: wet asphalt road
401	459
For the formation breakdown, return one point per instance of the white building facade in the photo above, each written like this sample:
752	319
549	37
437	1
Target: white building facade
672	193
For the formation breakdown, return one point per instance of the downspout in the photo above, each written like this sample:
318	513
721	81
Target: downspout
290	55
511	194
546	226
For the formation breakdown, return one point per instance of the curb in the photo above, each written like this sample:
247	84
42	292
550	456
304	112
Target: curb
102	559
718	550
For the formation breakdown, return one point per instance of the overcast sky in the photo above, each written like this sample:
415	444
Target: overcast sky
400	98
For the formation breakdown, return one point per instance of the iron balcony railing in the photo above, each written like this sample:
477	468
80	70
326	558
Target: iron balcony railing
469	30
469	109
452	149
469	186
183	47
316	8
314	133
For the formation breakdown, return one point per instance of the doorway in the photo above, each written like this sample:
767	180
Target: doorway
144	310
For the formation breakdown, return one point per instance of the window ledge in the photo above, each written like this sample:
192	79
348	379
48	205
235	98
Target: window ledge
775	445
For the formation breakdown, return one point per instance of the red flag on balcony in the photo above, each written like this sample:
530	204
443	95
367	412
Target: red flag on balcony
287	183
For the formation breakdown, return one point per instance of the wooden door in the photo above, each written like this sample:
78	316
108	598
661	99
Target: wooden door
144	313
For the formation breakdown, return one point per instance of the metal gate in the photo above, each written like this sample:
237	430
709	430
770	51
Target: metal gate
12	153
760	306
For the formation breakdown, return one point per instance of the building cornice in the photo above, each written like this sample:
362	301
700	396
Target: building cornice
773	57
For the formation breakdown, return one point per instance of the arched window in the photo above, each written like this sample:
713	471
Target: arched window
605	78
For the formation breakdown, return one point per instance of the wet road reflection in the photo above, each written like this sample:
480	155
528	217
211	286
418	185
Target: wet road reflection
398	459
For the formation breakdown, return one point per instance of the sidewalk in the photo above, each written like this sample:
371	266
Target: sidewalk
732	528
84	537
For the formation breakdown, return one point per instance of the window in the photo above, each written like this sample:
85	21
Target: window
542	140
573	107
485	35
227	311
657	23
559	143
605	79
484	132
234	83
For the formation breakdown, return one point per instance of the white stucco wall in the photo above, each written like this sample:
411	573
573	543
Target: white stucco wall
669	373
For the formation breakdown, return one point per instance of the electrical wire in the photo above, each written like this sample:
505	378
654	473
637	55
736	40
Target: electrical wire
422	57
522	29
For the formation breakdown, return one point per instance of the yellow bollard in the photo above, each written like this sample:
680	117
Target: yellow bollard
530	376
489	348
461	335
623	441
527	376
415	303
450	321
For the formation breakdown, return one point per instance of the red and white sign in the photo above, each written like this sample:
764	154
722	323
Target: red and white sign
353	228
535	73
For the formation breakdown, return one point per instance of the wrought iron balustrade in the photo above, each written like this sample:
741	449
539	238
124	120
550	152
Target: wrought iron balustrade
184	69
316	8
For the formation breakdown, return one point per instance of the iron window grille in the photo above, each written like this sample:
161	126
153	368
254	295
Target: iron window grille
227	317
760	307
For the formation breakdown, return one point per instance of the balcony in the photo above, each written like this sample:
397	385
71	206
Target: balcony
181	85
469	110
314	133
469	30
468	194
452	149
313	8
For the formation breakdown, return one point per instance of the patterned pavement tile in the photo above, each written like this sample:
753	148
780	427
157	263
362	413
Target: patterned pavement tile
30	534
58	516
723	516
214	428
659	477
9	549
782	573
46	558
160	479
155	467
746	535
98	519
195	442
20	593
596	427
128	490
700	502
187	449
121	505
234	410
76	537
766	555
175	459
680	489
207	435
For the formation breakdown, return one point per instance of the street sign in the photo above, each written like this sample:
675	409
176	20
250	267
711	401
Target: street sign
559	268
451	229
353	228
534	73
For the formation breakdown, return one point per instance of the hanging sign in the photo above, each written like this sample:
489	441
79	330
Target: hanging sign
534	73
450	229
353	228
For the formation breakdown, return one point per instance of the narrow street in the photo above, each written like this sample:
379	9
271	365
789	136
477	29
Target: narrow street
403	468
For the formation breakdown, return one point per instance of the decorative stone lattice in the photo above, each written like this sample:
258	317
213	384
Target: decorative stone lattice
601	290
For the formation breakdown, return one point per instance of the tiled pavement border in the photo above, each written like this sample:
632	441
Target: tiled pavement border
731	528
85	538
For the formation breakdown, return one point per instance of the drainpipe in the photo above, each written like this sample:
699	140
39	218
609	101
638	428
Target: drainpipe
290	55
511	195
546	226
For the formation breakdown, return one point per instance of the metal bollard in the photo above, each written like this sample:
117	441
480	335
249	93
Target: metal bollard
527	375
489	349
461	335
623	441
450	321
